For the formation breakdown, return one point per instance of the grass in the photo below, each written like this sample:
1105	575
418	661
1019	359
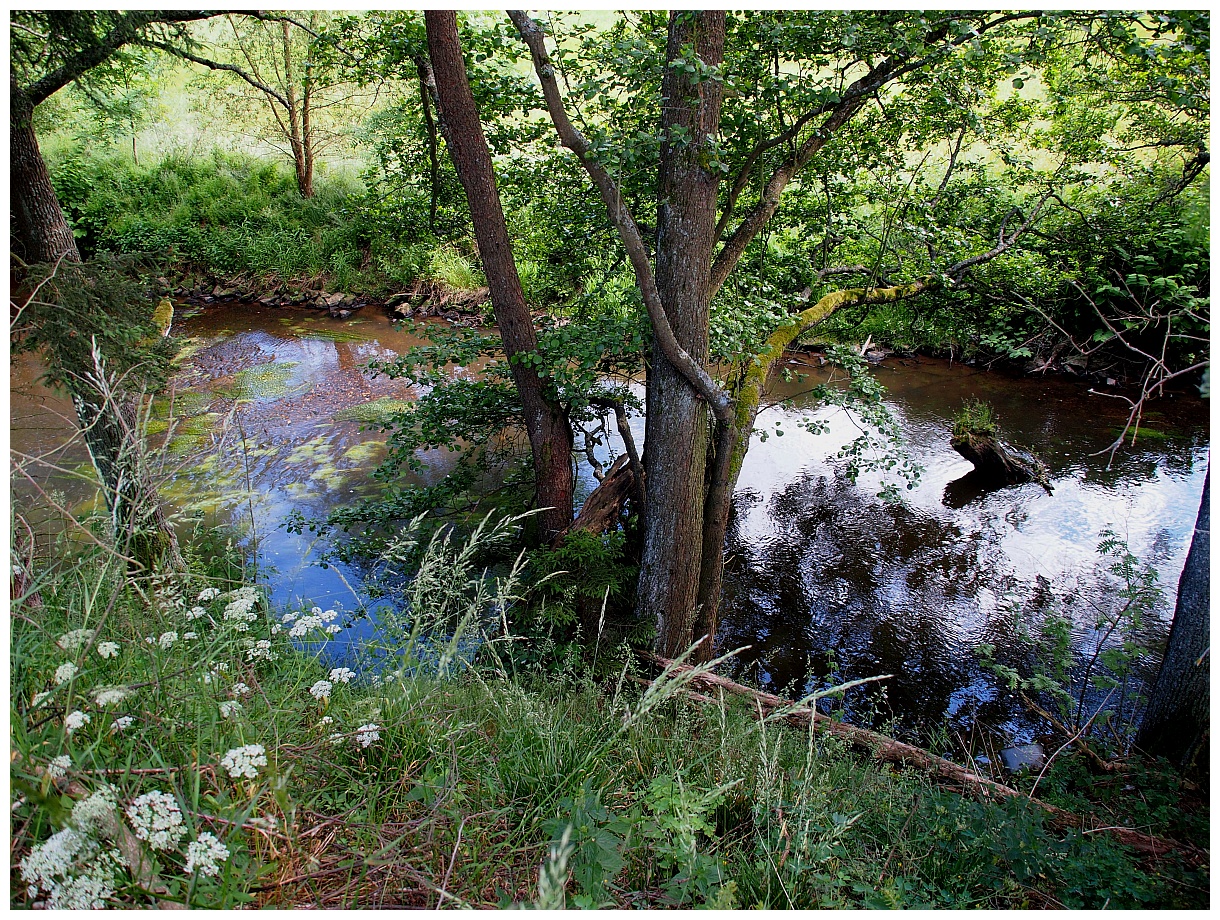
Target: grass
445	774
975	419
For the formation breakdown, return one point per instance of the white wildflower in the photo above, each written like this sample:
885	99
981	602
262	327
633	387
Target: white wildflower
58	768
332	628
240	609
95	815
105	696
208	594
321	690
168	639
65	672
316	611
342	675
245	761
327	615
337	737
73	871
188	636
325	720
40	698
108	649
276	628
230	708
75	639
302	626
367	734
289	617
121	723
151	640
260	649
205	855
195	613
240	689
75	720
157	819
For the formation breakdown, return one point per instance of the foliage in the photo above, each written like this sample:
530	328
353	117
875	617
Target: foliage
229	214
715	808
976	418
74	308
586	571
1091	688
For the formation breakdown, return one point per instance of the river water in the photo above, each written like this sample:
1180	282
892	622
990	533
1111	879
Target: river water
825	581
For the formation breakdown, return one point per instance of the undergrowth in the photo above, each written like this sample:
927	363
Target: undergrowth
182	742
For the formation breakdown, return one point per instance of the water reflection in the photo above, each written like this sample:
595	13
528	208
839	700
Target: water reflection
829	582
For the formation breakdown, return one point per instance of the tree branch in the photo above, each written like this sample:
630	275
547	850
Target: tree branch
852	100
620	216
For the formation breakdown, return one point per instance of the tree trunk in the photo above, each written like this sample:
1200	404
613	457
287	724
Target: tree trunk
677	422
40	232
427	89
1175	724
546	423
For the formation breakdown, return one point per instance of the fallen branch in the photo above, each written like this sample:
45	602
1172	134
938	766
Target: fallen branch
890	750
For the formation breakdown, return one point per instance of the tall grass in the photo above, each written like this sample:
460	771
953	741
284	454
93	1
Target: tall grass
440	774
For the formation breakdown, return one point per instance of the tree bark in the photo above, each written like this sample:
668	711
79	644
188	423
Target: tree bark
677	428
1175	725
39	230
550	434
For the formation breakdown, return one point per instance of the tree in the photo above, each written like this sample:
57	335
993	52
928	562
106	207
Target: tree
550	433
1176	722
50	50
286	74
691	460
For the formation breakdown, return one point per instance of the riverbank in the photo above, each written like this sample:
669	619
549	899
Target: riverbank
197	727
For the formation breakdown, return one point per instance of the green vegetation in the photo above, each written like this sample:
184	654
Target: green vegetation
1018	186
975	418
446	776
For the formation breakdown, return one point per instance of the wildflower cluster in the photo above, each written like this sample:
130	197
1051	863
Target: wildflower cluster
65	672
108	696
305	623
205	855
73	869
240	609
76	639
75	720
245	761
367	734
157	819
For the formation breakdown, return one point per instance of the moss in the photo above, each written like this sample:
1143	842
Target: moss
375	412
267	381
364	452
337	334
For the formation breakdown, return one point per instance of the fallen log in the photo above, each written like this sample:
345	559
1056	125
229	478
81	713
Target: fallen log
999	463
890	750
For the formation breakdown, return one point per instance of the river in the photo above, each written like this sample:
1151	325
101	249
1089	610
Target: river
825	581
